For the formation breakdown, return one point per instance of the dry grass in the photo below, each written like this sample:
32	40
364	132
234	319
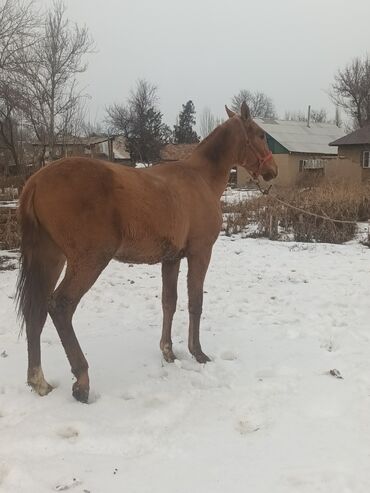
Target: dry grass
265	217
10	186
9	231
276	221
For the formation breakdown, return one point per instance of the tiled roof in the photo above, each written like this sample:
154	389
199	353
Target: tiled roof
176	152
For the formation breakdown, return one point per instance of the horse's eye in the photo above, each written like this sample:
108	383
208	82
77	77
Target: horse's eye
262	136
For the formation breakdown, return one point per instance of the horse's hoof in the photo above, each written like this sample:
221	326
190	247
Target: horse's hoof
167	352
42	389
169	356
81	394
201	357
36	380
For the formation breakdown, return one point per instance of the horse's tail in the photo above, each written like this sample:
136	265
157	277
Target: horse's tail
32	292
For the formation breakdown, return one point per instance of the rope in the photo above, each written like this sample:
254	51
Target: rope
326	218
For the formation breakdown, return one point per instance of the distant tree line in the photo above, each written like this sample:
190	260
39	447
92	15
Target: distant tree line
42	54
141	122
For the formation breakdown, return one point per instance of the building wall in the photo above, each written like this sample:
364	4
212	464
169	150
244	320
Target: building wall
350	162
345	167
288	171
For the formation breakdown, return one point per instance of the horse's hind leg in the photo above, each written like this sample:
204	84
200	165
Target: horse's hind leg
170	273
80	276
197	269
49	261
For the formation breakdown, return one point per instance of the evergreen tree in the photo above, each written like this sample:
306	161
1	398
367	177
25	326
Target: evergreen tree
140	121
183	132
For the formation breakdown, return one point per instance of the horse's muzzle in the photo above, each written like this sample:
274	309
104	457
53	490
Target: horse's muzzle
270	172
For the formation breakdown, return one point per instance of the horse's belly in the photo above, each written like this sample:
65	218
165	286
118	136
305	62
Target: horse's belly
149	252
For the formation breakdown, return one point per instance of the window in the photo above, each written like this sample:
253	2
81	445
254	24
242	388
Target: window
366	159
311	164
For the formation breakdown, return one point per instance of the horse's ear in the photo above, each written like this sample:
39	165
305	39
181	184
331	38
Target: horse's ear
245	111
230	113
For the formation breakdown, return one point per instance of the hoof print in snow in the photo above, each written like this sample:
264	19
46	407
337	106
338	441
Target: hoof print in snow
4	354
336	373
228	356
329	345
69	433
68	485
245	427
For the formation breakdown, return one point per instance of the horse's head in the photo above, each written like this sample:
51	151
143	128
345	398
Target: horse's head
254	155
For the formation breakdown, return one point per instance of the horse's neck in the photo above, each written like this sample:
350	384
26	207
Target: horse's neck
218	154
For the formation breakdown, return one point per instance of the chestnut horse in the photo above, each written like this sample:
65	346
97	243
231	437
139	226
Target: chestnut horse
86	212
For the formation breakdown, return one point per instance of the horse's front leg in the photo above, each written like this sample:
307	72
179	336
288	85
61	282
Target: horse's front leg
197	269
170	273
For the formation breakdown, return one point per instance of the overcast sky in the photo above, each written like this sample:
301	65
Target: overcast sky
207	50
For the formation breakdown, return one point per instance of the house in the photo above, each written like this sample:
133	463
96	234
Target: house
354	154
300	150
111	148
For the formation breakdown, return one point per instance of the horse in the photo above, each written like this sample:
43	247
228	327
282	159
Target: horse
84	212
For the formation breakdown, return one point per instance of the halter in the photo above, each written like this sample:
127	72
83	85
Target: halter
261	160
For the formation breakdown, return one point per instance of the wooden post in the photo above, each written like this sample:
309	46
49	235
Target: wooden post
110	149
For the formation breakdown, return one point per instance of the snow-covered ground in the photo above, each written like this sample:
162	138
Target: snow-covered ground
11	204
235	195
265	416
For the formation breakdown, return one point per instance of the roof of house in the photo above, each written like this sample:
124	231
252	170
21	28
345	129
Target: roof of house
298	137
120	151
75	140
176	152
360	136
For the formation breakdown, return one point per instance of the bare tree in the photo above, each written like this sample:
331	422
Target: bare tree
18	21
93	128
18	28
319	116
51	98
140	121
351	90
207	122
316	116
260	105
9	117
338	119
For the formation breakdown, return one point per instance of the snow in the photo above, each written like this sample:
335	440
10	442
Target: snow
8	204
265	416
235	195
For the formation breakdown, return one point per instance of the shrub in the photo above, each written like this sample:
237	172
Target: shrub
9	232
278	221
